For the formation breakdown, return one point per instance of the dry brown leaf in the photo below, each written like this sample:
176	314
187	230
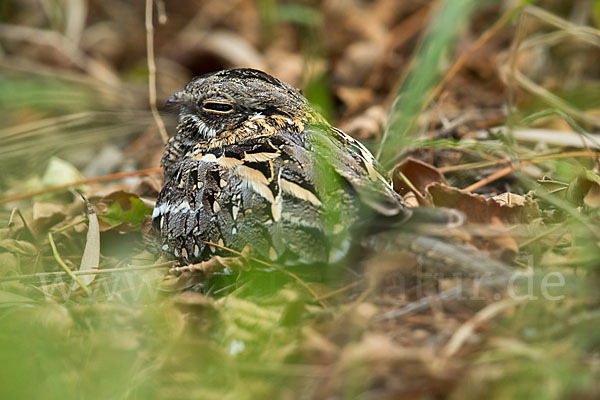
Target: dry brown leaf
585	189
419	173
510	199
592	198
91	253
506	208
478	209
577	189
45	216
121	211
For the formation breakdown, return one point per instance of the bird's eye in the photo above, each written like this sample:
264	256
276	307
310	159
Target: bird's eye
217	107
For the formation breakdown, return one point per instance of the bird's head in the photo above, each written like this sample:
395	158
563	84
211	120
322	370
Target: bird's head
217	104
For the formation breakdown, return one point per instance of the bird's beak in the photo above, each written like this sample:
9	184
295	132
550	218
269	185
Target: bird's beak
175	99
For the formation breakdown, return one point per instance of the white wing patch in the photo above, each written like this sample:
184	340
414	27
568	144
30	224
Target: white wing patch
207	158
228	162
260	157
255	180
299	192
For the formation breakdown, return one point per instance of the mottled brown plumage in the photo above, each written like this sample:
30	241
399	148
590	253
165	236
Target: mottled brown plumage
252	164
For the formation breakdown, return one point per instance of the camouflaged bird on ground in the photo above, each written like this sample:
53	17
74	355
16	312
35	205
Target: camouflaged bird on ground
253	165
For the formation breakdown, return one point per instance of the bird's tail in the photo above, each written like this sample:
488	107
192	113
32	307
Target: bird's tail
448	217
412	219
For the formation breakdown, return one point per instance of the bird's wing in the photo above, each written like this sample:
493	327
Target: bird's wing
351	160
258	193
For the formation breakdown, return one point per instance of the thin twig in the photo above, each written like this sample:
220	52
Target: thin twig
65	266
534	159
152	72
495	176
505	171
104	178
470	166
69	226
161	11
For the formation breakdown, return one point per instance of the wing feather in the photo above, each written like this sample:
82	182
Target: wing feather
351	160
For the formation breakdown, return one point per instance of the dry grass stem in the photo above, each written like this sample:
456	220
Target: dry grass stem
65	266
152	72
110	177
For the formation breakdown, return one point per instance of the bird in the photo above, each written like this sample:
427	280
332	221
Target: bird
254	166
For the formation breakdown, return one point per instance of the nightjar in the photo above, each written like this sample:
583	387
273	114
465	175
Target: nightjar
254	165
